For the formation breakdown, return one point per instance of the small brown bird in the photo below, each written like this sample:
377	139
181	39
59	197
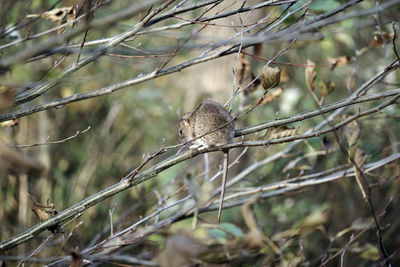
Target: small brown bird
216	123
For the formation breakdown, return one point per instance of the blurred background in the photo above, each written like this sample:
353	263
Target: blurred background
318	66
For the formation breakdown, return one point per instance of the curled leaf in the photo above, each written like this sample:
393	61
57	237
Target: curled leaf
272	95
270	77
45	212
311	75
379	38
61	15
280	132
245	75
58	14
339	61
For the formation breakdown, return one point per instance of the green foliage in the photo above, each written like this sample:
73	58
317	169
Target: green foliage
324	5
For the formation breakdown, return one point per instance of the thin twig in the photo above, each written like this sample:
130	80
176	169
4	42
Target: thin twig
47	142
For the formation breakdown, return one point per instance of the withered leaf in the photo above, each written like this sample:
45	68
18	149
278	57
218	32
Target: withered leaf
45	212
270	77
272	95
280	132
311	75
245	75
339	61
61	15
379	38
284	75
243	70
58	14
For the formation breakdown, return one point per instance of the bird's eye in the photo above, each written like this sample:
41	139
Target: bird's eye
180	132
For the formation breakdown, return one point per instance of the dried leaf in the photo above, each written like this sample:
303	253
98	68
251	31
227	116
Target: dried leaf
270	77
280	132
284	75
272	95
243	70
311	75
10	123
59	15
339	61
45	212
379	39
245	75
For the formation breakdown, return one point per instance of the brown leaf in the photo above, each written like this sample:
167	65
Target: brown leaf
270	77
280	132
245	75
311	75
272	95
379	39
284	75
59	15
45	212
339	61
243	70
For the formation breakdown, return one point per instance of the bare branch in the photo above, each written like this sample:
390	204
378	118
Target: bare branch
47	142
